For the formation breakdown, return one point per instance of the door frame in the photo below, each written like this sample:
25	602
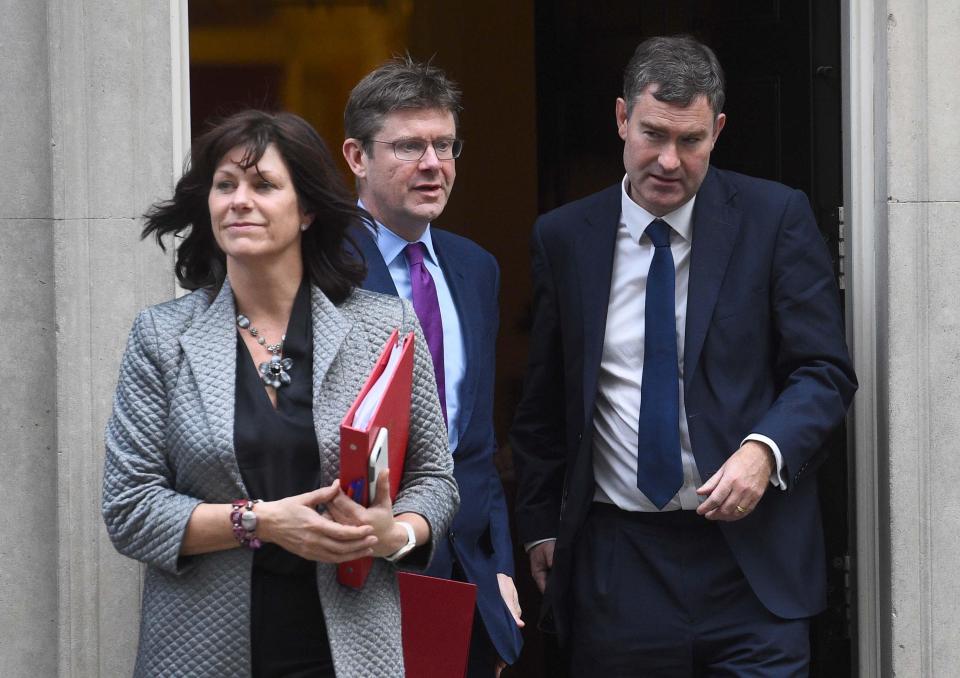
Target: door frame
179	101
864	129
864	158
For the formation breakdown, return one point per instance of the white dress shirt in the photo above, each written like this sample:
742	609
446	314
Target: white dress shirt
391	247
617	414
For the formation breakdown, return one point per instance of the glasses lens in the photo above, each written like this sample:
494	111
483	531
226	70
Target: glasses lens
451	150
415	149
448	149
410	149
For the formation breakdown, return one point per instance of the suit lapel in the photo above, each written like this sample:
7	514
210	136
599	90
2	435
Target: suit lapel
716	224
210	345
594	263
330	328
378	276
464	297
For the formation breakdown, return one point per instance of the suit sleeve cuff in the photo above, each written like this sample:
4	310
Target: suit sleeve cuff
777	478
530	544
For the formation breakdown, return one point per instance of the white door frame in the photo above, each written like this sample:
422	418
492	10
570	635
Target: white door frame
179	99
864	160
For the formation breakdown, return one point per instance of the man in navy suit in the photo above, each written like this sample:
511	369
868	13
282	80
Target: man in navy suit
401	127
687	365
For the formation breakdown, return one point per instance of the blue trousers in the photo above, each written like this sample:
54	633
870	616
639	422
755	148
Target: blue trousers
660	595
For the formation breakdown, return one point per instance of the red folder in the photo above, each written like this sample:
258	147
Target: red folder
392	413
436	621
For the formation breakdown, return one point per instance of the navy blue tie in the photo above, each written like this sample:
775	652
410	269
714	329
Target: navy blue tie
659	473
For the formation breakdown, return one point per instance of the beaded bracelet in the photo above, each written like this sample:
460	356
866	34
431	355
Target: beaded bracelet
245	530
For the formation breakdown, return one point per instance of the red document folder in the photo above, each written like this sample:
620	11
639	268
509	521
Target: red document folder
393	413
436	621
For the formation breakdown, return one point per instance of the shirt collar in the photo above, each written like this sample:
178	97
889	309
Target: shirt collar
391	245
636	219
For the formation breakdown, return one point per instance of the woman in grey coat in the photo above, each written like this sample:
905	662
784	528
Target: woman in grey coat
223	448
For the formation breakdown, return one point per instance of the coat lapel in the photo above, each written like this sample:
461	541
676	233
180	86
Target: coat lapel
716	223
464	297
330	328
594	263
378	276
210	345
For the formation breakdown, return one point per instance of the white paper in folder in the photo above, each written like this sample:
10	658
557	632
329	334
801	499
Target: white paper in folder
361	420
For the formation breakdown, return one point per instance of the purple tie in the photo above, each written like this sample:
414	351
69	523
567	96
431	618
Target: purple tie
428	312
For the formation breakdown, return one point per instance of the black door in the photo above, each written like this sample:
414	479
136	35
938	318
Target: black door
782	61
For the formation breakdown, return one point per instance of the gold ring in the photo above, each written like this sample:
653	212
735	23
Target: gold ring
740	509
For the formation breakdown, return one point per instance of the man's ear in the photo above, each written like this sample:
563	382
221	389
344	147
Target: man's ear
621	113
718	126
355	156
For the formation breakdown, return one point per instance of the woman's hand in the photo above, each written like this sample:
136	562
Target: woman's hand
294	524
378	517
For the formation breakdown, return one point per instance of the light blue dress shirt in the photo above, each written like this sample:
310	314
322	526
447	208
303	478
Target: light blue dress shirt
391	247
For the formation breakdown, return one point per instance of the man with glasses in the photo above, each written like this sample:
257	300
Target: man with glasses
402	145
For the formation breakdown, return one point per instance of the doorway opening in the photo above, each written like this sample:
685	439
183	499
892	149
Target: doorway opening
783	106
539	81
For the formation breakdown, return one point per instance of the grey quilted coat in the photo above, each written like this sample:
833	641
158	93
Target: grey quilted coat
170	447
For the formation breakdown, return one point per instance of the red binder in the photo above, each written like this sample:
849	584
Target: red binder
393	413
436	621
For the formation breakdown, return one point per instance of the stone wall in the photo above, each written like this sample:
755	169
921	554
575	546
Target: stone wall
918	366
87	135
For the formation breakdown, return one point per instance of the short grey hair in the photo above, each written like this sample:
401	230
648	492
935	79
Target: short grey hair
398	84
682	68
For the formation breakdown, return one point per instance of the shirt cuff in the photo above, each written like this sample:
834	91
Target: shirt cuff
777	478
530	544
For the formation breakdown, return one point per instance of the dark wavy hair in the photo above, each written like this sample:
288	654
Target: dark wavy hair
331	258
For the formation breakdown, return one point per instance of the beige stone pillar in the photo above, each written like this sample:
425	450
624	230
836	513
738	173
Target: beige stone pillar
903	139
920	321
90	137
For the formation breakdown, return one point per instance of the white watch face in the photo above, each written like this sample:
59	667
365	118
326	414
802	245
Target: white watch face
248	519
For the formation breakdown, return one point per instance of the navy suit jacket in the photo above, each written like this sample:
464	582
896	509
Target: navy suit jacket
479	537
764	353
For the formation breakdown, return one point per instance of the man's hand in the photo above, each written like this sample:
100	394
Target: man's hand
509	594
739	485
541	562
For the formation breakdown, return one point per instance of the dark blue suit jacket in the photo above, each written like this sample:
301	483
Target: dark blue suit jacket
764	353
479	538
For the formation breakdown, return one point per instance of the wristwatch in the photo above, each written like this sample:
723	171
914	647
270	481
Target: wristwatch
406	548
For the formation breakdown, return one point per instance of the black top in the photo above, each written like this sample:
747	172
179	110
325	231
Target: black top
277	449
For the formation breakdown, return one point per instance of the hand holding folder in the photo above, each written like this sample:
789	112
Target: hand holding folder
379	417
437	614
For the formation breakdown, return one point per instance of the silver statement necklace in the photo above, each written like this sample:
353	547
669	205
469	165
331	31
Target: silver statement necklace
273	372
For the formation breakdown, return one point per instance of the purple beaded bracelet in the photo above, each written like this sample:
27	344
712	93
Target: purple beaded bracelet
245	535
